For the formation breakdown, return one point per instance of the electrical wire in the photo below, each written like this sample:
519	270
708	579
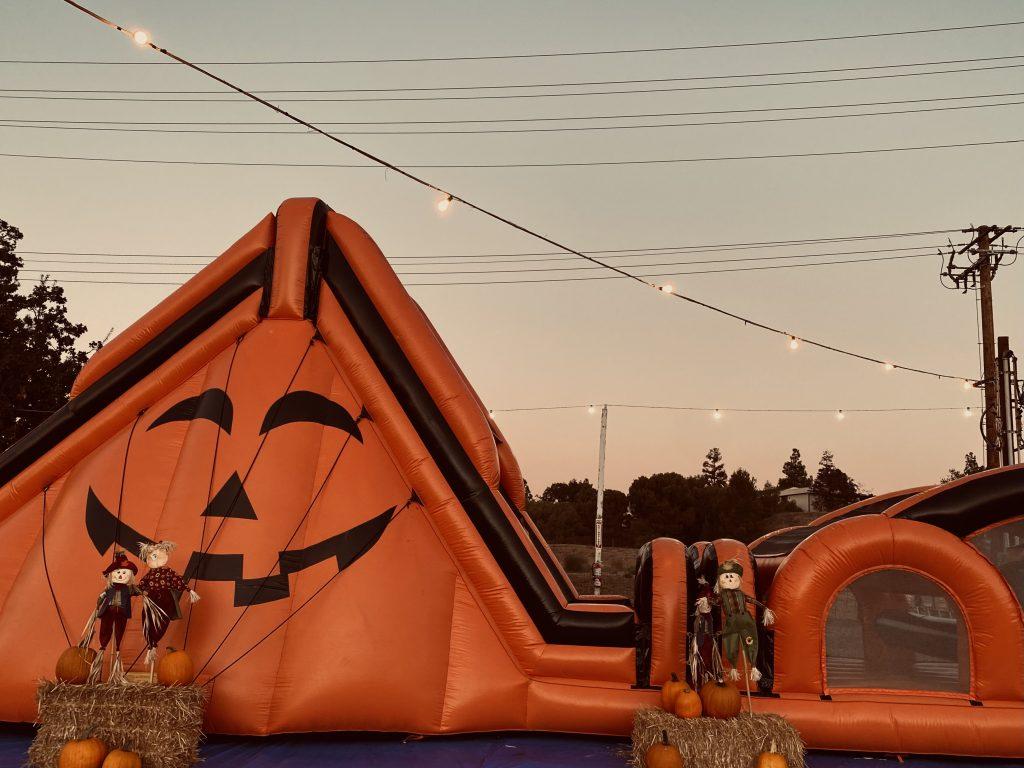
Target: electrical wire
451	197
706	409
495	86
470	166
492	131
609	253
673	273
481	262
848	105
492	57
478	97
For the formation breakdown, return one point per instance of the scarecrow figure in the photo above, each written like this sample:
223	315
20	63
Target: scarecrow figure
113	609
164	587
739	632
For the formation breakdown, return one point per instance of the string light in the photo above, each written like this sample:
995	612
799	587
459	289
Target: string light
717	414
444	204
967	412
967	384
889	366
840	415
140	37
667	288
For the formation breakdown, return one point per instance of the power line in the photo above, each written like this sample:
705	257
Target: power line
492	57
492	131
468	166
494	86
646	115
537	269
480	260
478	97
721	411
451	197
610	252
674	273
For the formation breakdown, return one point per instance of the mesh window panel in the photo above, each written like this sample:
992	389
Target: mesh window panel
896	630
1004	548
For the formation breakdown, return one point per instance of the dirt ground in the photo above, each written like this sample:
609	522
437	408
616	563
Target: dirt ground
618	565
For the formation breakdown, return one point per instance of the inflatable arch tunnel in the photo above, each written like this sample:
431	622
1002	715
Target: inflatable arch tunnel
356	526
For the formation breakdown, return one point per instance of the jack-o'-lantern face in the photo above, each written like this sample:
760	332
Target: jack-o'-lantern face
232	501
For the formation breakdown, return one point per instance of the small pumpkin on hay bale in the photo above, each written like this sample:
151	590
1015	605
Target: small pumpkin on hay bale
160	724
706	742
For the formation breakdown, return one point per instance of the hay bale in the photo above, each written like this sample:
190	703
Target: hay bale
705	742
161	724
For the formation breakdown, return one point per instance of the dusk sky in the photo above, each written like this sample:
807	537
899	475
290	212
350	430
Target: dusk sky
580	342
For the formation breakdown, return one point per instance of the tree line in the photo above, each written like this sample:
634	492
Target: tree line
704	506
39	352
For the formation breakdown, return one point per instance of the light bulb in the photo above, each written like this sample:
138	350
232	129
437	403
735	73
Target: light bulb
967	384
444	203
140	37
717	414
667	288
889	366
840	415
490	413
793	342
590	409
967	412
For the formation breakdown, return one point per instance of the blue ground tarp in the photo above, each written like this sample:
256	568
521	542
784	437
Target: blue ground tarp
480	751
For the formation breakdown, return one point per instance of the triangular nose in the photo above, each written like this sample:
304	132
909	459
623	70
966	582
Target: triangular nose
231	501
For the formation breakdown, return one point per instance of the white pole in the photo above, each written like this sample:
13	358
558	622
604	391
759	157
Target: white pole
599	517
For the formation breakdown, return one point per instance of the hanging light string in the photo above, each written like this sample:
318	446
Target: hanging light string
141	38
718	412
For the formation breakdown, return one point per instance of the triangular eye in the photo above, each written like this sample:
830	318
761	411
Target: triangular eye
213	405
231	501
310	407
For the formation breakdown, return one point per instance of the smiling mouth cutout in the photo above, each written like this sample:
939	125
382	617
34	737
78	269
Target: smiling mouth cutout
231	500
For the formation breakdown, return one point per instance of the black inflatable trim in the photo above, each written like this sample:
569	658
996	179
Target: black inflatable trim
982	501
121	378
556	624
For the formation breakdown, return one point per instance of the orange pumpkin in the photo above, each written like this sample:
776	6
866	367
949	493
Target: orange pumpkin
73	665
670	690
721	699
82	753
771	758
121	758
663	755
175	668
687	703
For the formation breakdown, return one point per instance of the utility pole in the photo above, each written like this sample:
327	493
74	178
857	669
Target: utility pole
977	274
599	517
1012	437
988	347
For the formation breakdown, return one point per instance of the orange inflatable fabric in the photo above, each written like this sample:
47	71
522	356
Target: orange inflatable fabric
355	524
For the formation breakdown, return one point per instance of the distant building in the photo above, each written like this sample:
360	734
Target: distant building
802	497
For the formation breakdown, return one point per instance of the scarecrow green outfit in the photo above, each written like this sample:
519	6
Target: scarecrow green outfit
738	628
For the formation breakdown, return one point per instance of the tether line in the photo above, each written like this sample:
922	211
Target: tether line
46	570
304	603
213	471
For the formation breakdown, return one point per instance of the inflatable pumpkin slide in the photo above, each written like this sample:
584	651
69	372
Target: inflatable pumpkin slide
355	524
